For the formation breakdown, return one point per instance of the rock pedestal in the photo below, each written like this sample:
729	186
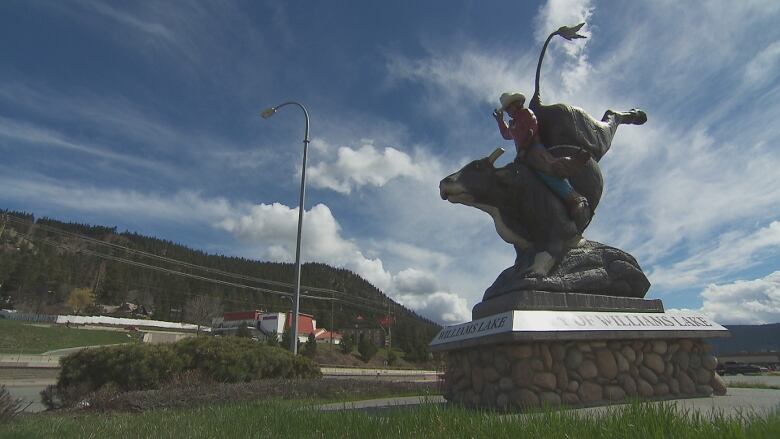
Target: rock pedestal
578	373
580	351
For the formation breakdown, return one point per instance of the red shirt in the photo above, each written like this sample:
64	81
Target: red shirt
519	128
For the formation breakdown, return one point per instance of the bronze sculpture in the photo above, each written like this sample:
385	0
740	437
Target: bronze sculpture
546	233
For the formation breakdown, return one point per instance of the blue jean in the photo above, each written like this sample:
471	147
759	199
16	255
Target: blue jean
560	186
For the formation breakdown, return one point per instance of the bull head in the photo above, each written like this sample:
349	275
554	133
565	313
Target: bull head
471	183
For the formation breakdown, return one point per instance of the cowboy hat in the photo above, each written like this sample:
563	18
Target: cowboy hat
508	99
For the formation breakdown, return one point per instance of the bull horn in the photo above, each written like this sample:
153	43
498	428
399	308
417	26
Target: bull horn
495	155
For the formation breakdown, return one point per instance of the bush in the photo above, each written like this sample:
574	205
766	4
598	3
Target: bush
141	367
129	367
347	345
310	348
243	331
9	406
392	357
286	341
366	349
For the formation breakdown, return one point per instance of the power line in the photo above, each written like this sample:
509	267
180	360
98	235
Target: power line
349	301
190	265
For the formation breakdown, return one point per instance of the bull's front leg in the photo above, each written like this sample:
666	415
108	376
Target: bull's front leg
524	258
544	261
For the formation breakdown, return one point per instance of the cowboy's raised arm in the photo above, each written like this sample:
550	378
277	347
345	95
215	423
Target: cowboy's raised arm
499	115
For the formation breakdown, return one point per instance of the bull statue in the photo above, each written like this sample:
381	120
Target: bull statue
526	213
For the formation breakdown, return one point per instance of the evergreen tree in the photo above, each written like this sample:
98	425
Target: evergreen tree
273	340
286	337
243	330
366	349
347	345
310	349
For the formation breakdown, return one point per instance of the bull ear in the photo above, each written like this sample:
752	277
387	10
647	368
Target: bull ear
495	155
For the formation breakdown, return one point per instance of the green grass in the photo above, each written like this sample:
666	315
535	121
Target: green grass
294	419
18	337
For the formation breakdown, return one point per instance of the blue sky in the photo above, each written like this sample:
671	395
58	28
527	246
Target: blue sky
145	115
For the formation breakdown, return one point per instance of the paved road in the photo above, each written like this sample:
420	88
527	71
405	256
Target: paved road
29	394
737	402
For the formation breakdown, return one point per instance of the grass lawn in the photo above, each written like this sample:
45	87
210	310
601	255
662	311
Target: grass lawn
295	419
17	337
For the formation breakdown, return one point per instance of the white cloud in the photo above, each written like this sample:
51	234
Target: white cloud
363	166
751	302
466	74
422	291
763	67
46	138
182	206
415	255
274	227
414	281
554	14
731	253
444	307
128	19
557	13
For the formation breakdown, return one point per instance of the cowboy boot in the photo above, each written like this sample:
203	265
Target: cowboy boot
579	209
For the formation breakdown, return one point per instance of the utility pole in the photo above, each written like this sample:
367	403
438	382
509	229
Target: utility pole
331	320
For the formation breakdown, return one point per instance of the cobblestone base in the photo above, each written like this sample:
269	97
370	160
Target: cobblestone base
517	376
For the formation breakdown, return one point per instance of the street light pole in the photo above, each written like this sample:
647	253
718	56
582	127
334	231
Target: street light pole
266	114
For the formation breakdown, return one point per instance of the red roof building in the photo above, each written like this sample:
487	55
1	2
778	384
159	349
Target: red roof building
306	324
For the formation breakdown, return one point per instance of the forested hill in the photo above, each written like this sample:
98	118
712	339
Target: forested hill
42	261
748	338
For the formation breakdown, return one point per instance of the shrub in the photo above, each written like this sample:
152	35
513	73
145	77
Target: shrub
9	406
129	367
141	367
366	349
310	348
243	331
347	345
392	357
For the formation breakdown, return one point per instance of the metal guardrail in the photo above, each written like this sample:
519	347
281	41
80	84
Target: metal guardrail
45	318
30	360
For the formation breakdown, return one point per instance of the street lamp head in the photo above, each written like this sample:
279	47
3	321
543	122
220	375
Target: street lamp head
268	112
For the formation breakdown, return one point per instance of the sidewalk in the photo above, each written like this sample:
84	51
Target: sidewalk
737	402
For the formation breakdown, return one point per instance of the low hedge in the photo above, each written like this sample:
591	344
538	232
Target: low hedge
142	367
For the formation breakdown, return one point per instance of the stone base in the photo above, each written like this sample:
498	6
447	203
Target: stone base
580	373
543	300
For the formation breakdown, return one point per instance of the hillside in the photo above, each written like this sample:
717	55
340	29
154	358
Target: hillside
748	338
42	261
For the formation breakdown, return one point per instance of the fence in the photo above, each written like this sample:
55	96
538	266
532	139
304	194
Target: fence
45	318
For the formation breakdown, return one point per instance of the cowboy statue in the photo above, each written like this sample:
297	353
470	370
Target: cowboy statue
543	201
524	130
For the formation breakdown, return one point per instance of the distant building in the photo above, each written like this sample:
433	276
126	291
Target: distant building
325	336
263	325
362	327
